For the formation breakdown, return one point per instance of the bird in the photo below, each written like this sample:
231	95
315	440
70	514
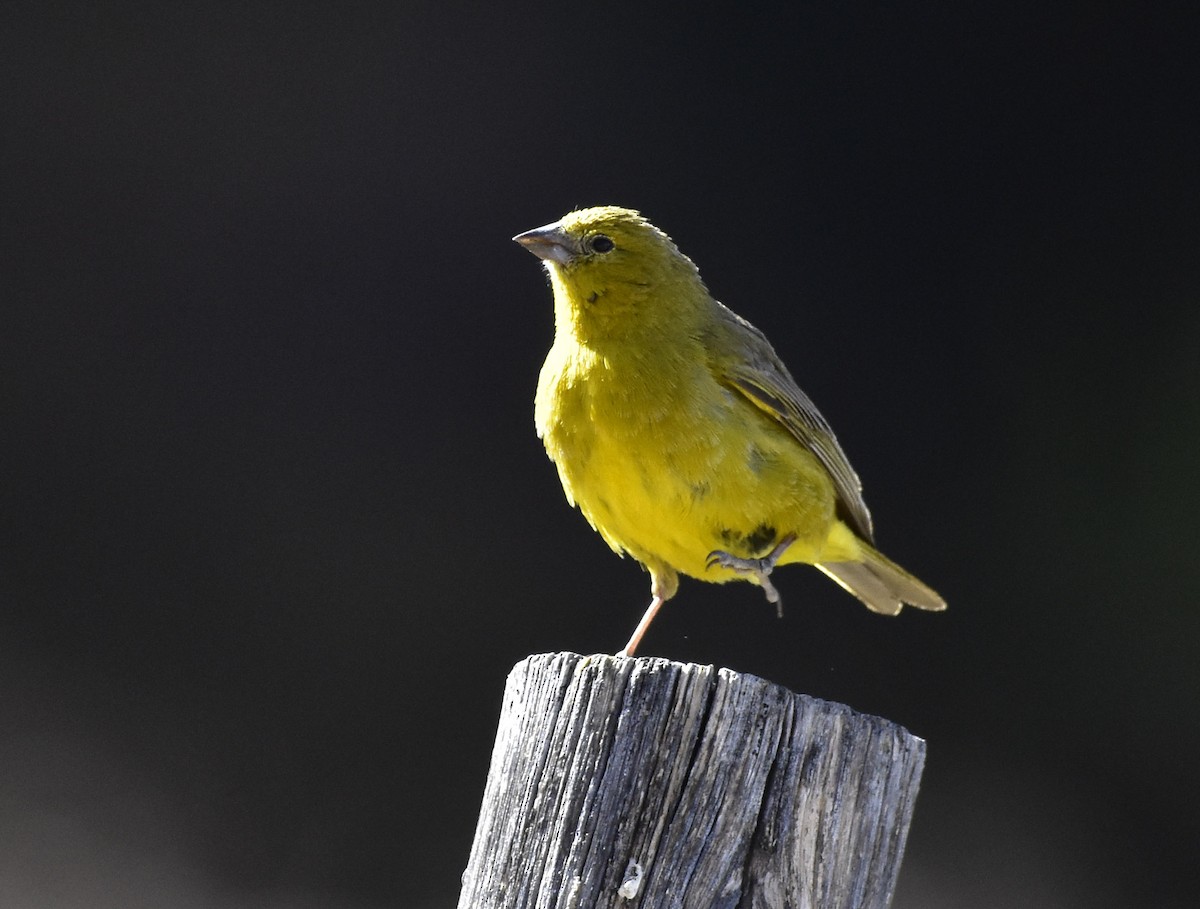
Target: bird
679	433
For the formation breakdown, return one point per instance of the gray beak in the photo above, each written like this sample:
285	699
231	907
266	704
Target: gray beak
550	243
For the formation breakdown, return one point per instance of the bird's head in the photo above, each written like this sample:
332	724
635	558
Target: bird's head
614	272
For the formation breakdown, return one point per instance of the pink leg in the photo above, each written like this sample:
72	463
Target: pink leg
647	618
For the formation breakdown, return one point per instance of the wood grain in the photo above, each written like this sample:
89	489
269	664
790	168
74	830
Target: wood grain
725	791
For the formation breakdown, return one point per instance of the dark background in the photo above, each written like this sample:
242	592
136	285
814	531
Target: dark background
275	523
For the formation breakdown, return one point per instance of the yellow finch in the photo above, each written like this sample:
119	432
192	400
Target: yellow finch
679	432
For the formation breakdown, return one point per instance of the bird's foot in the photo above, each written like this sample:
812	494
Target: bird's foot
758	569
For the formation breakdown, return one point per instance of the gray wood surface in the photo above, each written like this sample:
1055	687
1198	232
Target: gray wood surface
721	789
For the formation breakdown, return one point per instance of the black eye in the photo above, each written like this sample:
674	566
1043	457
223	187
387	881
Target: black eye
601	244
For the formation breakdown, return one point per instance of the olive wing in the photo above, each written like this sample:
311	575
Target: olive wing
742	358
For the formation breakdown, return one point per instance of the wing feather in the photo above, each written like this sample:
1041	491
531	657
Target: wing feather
743	359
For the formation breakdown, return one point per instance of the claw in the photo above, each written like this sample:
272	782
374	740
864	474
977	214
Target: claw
759	569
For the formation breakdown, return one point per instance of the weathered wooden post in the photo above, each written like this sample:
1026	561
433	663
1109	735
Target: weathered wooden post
634	782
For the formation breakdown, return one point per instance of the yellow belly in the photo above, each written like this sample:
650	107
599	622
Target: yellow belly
670	472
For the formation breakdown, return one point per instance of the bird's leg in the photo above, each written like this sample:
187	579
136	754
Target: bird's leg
759	569
647	618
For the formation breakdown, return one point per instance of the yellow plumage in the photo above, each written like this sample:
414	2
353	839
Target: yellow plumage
679	433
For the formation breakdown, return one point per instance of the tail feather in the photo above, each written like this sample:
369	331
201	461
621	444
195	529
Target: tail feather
882	584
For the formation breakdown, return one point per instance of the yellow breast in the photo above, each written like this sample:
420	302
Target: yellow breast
668	465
